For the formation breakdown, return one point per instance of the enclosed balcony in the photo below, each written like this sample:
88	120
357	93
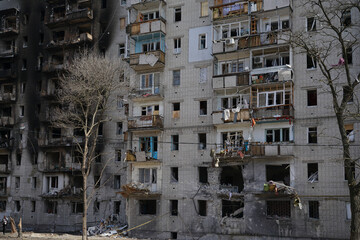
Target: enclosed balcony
230	80
233	8
59	17
9	25
271	150
150	26
150	122
272	75
279	112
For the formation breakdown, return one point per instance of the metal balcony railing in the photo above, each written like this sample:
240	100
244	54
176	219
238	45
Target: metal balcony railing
146	122
279	112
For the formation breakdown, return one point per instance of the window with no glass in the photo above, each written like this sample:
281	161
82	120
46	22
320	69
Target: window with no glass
311	24
147	207
314	209
177	12
312	135
312	97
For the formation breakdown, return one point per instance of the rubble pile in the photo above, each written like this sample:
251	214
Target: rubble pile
106	228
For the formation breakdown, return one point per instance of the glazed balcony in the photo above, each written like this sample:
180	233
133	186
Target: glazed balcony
231	80
219	117
153	93
141	123
145	27
149	61
279	112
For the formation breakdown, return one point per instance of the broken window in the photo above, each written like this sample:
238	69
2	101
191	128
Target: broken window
96	206
278	208
349	56
348	94
177	14
352	169
25	41
232	140
119	128
177	45
17	182
202	207
176	77
203	174
147	175
346	18
117	205
122	50
77	207
118	155
311	62
18	159
56	132
278	173
311	24
17	206
349	128
174	174
278	135
53	160
33	206
174	142
312	97
53	183
314	209
174	207
231	179
2	206
117	181
34	182
147	207
203	108
173	235
103	4
176	110
100	129
4	162
233	209
202	141
51	207
312	135
3	186
313	172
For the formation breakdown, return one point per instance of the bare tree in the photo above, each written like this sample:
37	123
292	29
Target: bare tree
332	35
85	96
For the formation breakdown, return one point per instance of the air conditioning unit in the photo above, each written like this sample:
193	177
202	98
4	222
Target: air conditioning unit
258	60
230	41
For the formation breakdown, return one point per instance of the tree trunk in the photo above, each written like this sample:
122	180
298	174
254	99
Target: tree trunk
84	218
355	213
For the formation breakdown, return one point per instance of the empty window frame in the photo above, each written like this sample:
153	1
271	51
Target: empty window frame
313	172
122	50
149	16
177	14
310	62
177	45
202	41
117	181
348	94
117	205
278	209
176	77
51	207
234	209
33	206
278	173
77	207
227	67
53	182
56	133
204	9
119	128
174	207
176	110
3	185
147	207
232	30
203	108
118	156
202	207
312	135
268	99
174	142
349	55
17	206
123	2
346	18
148	145
17	182
314	209
278	135
33	182
97	181
349	129
203	174
311	24
202	141
174	174
2	206
103	3
96	206
312	97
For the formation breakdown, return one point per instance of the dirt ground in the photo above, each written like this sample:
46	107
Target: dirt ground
44	236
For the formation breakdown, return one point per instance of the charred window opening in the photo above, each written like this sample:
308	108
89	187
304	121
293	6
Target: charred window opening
3	181
174	174
279	173
33	206
77	182
314	209
232	179
56	133
234	209
117	205
4	160
51	207
7	112
117	181
278	209
147	207
54	161
58	36
174	207
173	235
2	206
77	207
203	174
202	141
312	169
58	12
18	159
17	182
17	206
202	207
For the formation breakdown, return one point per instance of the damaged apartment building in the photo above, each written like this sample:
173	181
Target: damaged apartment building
225	127
40	177
218	128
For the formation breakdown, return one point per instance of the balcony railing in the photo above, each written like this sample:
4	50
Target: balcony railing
60	166
71	17
51	67
7	73
280	112
151	122
8	53
150	26
236	8
231	80
153	93
219	118
72	41
271	149
271	75
151	60
48	142
146	4
7	97
6	121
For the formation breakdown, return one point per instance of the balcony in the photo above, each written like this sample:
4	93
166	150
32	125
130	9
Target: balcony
61	19
280	112
270	75
154	93
9	52
141	5
9	25
136	189
231	81
150	26
59	166
7	97
52	67
218	117
83	38
233	9
7	121
149	61
71	192
236	153
55	142
141	123
4	164
7	73
271	149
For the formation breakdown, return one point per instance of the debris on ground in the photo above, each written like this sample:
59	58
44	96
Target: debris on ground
106	228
